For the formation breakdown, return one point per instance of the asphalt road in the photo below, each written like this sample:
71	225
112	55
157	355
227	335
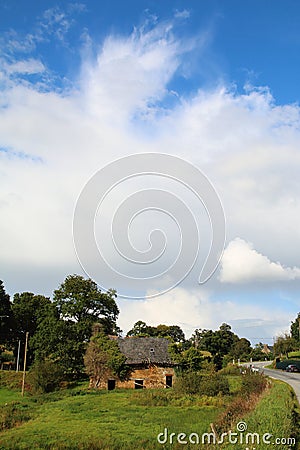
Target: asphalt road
293	379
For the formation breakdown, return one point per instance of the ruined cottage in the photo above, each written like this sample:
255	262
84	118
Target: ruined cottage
150	362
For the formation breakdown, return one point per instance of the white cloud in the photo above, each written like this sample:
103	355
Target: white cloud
246	144
191	309
28	67
241	263
184	14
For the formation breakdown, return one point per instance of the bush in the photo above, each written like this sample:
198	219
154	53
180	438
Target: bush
253	383
214	385
188	383
195	383
44	377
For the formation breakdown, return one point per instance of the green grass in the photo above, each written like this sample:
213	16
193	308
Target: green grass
105	420
9	395
235	383
277	413
126	419
10	379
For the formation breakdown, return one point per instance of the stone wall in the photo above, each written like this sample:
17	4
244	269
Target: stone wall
152	377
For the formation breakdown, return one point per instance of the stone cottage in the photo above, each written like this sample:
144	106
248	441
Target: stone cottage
150	362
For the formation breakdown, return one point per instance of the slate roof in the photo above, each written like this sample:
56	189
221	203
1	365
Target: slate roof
145	350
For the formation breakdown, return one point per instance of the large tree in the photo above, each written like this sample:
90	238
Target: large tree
28	310
219	343
64	334
241	349
58	340
6	323
81	301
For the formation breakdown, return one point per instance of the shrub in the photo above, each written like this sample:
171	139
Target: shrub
195	383
188	383
214	385
253	383
45	376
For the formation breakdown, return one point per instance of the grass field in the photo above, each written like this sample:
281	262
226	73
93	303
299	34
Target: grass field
278	415
127	419
106	420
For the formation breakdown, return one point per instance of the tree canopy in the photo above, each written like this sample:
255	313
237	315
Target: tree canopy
81	301
141	329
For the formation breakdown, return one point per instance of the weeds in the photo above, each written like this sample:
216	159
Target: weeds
13	414
196	383
252	387
153	398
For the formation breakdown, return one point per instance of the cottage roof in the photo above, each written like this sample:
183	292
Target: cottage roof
142	350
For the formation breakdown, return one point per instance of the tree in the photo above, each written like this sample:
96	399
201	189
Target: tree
28	310
141	329
219	343
62	336
171	331
295	329
103	358
257	353
6	323
190	360
57	340
81	301
225	339
285	344
241	349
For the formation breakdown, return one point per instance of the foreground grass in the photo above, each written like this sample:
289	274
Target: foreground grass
277	414
108	420
120	420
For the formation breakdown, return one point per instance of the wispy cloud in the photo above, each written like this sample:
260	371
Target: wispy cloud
182	14
29	66
54	23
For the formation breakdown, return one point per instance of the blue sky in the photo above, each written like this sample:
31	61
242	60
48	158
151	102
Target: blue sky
250	41
213	82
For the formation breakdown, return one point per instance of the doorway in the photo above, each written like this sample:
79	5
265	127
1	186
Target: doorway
111	385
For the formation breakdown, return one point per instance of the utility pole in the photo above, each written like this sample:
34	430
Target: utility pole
25	357
18	357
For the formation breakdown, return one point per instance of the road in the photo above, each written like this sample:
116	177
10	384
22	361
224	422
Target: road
293	379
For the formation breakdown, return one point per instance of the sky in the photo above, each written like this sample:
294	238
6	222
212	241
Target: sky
213	83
